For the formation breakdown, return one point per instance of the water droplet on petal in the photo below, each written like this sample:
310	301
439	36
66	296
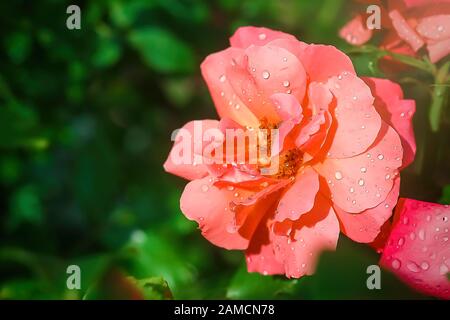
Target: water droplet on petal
443	269
380	157
413	267
286	83
363	170
401	241
352	190
422	234
230	188
222	78
396	264
361	182
262	36
338	175
266	74
424	265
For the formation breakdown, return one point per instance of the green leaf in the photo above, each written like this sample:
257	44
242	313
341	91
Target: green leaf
245	285
25	207
155	288
108	53
18	46
161	50
445	199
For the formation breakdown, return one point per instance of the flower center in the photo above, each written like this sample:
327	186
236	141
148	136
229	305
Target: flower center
289	161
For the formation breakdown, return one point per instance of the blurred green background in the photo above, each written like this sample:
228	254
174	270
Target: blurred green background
85	123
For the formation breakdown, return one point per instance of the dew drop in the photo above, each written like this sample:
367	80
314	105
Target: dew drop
443	269
424	265
338	175
237	106
222	78
401	241
230	188
422	234
396	264
380	157
352	190
413	267
361	182
286	83
262	36
387	177
363	169
266	74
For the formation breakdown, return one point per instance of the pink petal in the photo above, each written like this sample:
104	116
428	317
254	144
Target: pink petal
418	249
299	198
272	70
313	133
228	105
438	50
213	208
405	31
357	121
364	181
244	37
314	233
436	27
355	31
290	112
194	167
365	226
419	3
322	62
260	254
396	111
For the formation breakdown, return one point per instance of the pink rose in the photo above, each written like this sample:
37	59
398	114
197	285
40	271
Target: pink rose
418	249
341	143
407	26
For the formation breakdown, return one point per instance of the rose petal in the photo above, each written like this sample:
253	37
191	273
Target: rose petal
397	112
418	249
314	232
357	121
436	27
405	31
322	62
365	226
438	50
213	208
194	167
364	181
260	256
299	198
228	105
355	31
244	37
272	70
